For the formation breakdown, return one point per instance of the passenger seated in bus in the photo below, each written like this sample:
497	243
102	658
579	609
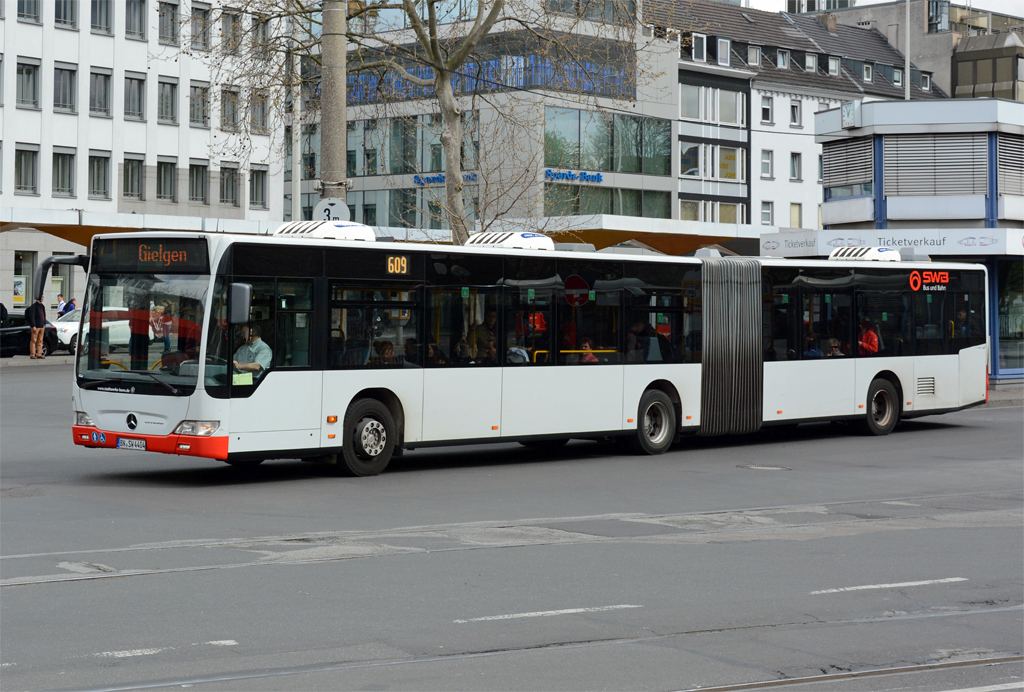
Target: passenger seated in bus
434	355
587	344
482	333
253	355
412	352
811	349
966	325
462	354
490	354
384	354
832	349
867	342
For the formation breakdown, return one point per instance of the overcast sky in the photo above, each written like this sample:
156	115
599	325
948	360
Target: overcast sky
1013	7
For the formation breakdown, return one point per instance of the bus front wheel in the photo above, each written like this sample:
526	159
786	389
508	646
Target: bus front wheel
656	422
368	439
883	408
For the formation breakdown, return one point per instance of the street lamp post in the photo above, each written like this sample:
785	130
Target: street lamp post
333	114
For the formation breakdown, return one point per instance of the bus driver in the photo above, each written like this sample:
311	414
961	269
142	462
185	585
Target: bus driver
253	355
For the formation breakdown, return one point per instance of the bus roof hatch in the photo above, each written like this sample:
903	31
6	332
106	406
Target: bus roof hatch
520	240
326	230
865	254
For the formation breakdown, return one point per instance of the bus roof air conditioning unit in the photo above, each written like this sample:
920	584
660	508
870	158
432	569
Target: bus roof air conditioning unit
865	254
513	241
326	230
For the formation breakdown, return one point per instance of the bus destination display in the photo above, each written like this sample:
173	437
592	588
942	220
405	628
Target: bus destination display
151	255
398	264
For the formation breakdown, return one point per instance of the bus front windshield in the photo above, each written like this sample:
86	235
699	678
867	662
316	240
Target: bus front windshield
141	333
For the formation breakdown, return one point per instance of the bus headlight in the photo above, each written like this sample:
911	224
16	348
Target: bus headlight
202	428
82	418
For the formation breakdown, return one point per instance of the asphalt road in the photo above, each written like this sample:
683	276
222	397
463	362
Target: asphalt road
821	559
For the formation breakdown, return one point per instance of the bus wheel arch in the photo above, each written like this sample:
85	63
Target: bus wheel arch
657	421
673	395
394	404
884	403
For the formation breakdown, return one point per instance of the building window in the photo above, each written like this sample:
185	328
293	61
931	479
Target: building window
199	106
166	180
99	177
782	60
231	33
766	213
64	89
63	175
869	73
833	66
229	110
65	13
766	109
767	164
689	101
200	28
811	62
731	110
28	10
724	51
26	171
700	43
754	56
370	161
229	186
796	216
168	34
795	114
436	158
926	81
822	106
133	177
689	210
257	188
897	77
28	86
198	183
259	114
134	98
821	167
794	166
102	17
261	37
99	94
689	159
135	19
167	102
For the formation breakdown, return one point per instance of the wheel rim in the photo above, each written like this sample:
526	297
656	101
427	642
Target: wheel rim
656	423
372	437
882	408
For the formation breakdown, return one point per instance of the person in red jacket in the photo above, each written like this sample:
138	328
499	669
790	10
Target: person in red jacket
867	343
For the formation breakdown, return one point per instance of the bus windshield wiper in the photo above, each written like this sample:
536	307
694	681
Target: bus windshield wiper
99	383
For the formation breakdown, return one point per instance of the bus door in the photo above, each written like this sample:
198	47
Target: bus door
462	380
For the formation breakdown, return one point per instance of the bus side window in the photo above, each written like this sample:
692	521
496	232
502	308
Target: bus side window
463	326
781	326
529	321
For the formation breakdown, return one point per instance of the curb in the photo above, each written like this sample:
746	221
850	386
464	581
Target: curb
26	362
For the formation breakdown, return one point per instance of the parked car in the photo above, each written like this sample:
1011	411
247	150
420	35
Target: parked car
67	330
120	331
15	336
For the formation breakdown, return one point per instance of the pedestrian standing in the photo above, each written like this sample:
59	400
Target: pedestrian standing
36	317
60	303
70	306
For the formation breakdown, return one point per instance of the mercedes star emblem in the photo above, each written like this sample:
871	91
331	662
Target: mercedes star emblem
133	422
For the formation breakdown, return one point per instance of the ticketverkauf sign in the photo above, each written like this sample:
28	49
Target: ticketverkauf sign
923	241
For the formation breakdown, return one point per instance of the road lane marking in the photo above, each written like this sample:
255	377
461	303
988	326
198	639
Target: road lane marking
890	586
129	653
993	688
547	613
223	642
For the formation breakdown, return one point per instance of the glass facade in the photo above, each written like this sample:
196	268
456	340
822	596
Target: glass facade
1009	297
600	142
573	200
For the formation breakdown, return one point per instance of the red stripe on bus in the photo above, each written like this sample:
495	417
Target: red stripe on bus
187	445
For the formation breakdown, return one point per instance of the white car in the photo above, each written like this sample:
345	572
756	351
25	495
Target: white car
68	325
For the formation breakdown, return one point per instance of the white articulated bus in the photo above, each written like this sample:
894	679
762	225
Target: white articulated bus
319	342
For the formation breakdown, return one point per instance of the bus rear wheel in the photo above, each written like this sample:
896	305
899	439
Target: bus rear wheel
656	423
368	439
883	408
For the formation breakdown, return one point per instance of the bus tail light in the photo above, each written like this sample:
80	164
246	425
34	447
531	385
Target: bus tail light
202	428
82	418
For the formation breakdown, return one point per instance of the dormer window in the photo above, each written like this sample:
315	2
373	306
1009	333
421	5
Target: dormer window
811	62
724	51
700	44
926	82
869	73
754	56
897	77
833	67
782	60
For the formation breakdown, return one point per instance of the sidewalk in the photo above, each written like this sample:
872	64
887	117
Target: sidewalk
61	358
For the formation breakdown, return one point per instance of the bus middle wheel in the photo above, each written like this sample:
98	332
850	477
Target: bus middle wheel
883	408
655	423
368	439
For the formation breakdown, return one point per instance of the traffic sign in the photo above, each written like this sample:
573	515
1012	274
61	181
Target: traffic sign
577	290
331	209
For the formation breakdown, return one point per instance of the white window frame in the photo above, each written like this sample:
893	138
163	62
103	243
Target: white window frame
727	52
834	66
811	62
782	60
700	103
104	192
796	165
771	110
770	160
926	82
69	156
770	209
754	55
703	40
741	164
897	77
868	73
797	119
72	88
164	85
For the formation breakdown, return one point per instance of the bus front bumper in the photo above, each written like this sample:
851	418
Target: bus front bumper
188	445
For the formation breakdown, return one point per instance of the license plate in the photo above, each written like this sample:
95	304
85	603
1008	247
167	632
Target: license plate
125	443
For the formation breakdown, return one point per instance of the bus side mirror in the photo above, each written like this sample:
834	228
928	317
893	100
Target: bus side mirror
240	300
